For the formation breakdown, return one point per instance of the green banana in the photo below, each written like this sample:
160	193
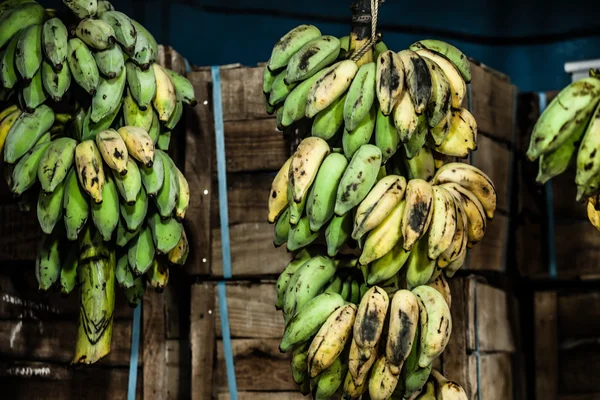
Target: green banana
421	166
134	115
20	17
96	33
28	54
154	131
360	97
457	57
280	90
183	88
141	83
24	175
328	121
134	214
418	139
289	44
55	42
123	273
140	252
164	139
321	198
49	208
107	98
76	206
110	62
358	179
33	93
124	31
8	70
106	214
389	265
309	319
299	362
146	48
48	263
338	232
296	209
104	6
166	198
82	8
300	235
335	285
124	235
386	136
294	106
379	48
90	129
55	82
153	177
330	380
8	5
165	232
587	166
68	272
83	65
56	162
311	58
419	268
174	118
282	228
361	135
286	275
130	184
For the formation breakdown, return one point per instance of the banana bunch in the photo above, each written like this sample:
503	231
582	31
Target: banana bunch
567	134
93	155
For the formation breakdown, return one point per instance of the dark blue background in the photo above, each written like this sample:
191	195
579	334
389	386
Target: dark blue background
528	40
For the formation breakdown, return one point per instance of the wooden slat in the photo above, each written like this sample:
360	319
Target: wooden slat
177	304
252	312
55	341
20	234
579	315
264	396
579	368
546	346
154	345
587	396
198	170
178	369
455	354
242	93
492	103
577	250
565	192
530	242
258	364
252	250
40	381
490	253
496	376
493	158
202	339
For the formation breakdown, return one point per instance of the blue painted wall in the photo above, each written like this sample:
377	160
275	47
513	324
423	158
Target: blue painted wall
206	35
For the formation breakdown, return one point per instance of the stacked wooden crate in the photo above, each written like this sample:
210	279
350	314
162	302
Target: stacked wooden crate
38	330
254	152
557	251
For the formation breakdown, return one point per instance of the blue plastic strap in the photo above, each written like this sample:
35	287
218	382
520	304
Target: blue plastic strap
549	207
224	217
135	350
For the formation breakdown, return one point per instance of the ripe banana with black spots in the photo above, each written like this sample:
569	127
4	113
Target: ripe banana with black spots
441	95
436	324
289	44
381	240
309	319
352	389
369	322
54	42
458	87
441	285
457	57
417	79
90	170
113	150
330	340
472	179
418	139
178	255
474	210
378	204
333	84
360	97
404	318
305	164
83	65
183	197
382	380
56	162
443	222
447	389
278	200
311	58
139	144
418	211
453	252
389	80
461	136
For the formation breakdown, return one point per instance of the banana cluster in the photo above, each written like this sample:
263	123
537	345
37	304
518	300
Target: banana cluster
349	338
568	132
85	140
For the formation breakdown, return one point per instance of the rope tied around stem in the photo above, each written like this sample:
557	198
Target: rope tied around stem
374	37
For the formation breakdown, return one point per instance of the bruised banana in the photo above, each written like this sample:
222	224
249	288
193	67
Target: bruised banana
311	58
457	57
389	81
461	136
113	150
89	169
417	78
404	318
370	319
458	87
447	389
289	44
417	213
441	96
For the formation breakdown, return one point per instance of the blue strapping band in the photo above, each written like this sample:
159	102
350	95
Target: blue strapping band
135	351
477	352
224	219
549	207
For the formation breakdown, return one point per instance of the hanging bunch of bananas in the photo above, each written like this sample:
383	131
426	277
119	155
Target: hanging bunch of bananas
377	207
91	153
568	132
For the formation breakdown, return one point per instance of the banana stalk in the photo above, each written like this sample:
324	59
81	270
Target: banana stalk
96	309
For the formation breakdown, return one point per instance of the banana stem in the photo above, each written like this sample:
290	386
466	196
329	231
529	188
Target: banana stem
361	29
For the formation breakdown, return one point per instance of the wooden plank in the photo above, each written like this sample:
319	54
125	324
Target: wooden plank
579	315
579	368
546	346
495	319
252	250
242	94
178	369
154	345
198	170
202	339
258	364
20	234
565	192
264	396
455	356
493	158
587	396
177	305
40	381
490	253
577	250
496	372
492	104
55	341
532	259
252	313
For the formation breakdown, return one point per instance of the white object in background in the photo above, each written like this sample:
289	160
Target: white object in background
581	69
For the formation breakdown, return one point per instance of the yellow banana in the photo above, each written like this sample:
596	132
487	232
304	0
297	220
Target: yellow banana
89	169
165	99
139	144
305	164
417	213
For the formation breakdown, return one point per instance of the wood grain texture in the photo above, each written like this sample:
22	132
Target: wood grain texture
490	253
455	356
202	339
578	315
41	381
493	158
264	396
252	250
198	171
242	93
546	346
20	234
55	341
496	376
577	250
178	369
532	257
154	345
252	313
579	368
258	364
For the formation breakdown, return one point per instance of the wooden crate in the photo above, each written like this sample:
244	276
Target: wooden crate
575	241
255	150
567	344
37	331
484	343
